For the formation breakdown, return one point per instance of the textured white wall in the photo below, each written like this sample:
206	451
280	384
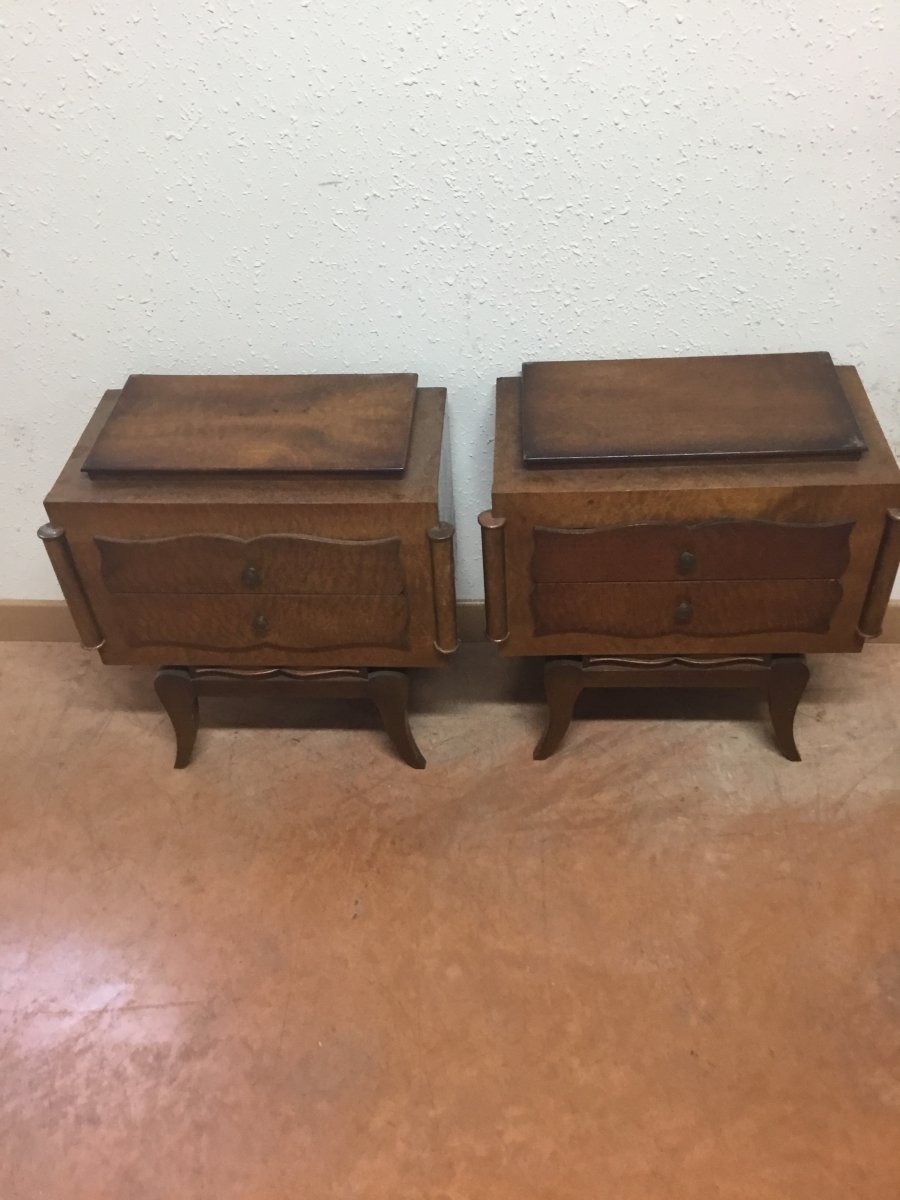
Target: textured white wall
295	185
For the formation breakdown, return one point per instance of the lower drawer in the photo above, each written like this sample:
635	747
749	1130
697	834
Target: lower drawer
228	622
703	609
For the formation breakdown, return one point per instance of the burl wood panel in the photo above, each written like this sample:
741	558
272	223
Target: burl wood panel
635	410
372	510
236	623
332	424
694	610
886	564
814	491
283	563
708	550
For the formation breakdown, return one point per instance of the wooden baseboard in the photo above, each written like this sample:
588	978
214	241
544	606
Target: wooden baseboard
470	620
49	621
36	621
891	630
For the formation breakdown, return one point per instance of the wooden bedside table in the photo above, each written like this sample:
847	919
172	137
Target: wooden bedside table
287	533
687	522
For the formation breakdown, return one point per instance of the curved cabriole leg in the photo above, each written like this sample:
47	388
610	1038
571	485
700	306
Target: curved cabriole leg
389	691
788	677
175	689
563	684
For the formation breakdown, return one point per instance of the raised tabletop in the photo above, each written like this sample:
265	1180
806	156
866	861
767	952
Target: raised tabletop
259	424
734	407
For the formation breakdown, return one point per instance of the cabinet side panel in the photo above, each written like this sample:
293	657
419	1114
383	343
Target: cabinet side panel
886	564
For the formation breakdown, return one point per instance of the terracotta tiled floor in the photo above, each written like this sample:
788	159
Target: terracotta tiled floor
664	964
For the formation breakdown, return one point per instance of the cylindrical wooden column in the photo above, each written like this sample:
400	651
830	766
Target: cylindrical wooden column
886	564
443	587
60	555
493	553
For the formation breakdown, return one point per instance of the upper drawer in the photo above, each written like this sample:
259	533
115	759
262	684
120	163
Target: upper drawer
708	550
279	563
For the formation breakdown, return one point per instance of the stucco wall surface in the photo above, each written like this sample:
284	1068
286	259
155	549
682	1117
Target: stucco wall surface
298	185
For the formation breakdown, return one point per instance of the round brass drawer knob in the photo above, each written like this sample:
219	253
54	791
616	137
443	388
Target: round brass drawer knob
251	576
686	562
684	612
260	624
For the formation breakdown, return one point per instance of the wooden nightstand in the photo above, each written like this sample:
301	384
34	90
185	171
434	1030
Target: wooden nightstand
288	533
688	522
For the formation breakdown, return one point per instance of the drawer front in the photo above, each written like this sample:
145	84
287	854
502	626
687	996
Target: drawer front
713	609
277	563
229	623
708	550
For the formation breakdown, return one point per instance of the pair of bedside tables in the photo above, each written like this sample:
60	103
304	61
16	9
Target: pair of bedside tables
671	522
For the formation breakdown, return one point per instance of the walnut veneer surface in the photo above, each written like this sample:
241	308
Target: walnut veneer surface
788	556
289	570
710	407
339	424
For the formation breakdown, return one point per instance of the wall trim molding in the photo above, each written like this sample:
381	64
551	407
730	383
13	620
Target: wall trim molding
36	621
49	621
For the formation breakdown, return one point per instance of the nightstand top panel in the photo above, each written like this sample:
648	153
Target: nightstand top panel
733	407
875	467
418	484
264	424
